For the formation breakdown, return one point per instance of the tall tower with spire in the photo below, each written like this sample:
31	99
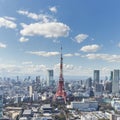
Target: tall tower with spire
60	93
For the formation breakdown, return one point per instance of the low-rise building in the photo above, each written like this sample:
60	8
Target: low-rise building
85	105
46	107
99	115
115	103
115	117
27	113
23	118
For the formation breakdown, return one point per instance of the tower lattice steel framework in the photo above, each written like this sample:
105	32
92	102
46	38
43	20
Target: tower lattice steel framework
60	93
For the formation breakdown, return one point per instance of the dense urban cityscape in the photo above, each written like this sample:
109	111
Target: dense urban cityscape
59	60
36	99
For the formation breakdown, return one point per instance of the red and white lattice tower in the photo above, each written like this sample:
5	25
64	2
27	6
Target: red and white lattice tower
60	93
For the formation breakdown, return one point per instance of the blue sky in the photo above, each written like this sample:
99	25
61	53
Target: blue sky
32	31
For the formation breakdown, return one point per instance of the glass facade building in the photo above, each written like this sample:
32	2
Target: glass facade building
1	105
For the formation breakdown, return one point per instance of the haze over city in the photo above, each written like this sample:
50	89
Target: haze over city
32	31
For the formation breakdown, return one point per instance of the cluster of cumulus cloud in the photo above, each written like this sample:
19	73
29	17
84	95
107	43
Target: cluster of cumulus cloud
48	26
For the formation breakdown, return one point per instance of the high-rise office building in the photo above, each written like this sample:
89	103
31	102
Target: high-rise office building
99	88
98	91
38	79
88	83
30	91
96	76
111	75
1	105
35	96
115	81
108	86
50	78
17	78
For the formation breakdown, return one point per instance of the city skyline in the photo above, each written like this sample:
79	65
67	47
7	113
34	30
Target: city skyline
31	34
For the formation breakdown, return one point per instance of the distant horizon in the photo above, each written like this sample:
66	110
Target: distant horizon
55	77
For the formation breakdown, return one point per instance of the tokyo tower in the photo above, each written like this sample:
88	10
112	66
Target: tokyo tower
60	93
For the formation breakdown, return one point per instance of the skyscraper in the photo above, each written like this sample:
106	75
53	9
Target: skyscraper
115	81
88	83
111	75
50	78
1	105
30	91
108	86
38	79
96	76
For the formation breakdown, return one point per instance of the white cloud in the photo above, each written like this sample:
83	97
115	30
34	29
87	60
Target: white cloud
53	9
9	68
66	67
90	48
43	53
25	69
23	12
10	18
48	30
106	57
105	70
68	55
71	54
30	15
27	62
23	39
77	54
3	45
81	37
72	70
97	56
23	25
42	17
34	69
7	23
